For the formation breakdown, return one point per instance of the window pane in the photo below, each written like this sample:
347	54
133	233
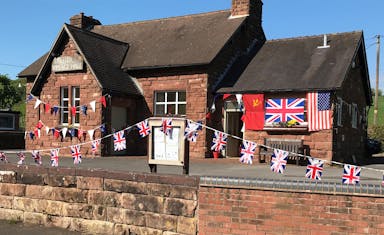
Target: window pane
77	92
77	118
65	104
171	109
182	109
160	97
65	117
171	96
182	96
64	92
160	109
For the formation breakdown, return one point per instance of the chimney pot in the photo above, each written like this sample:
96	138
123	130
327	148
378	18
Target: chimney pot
83	22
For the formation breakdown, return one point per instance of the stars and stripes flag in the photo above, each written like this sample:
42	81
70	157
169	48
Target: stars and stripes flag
247	152
3	157
95	145
144	128
166	126
219	141
119	142
279	160
190	132
21	157
36	157
314	169
319	111
351	174
55	157
76	155
284	110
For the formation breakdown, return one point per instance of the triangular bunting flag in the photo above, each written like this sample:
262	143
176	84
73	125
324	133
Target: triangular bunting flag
47	130
47	108
93	105
37	103
73	111
55	109
91	133
64	131
103	101
84	109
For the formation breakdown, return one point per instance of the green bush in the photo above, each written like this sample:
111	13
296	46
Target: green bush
377	132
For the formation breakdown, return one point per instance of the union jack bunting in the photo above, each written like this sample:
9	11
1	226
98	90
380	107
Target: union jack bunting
247	152
95	145
166	126
36	157
55	157
284	110
76	155
219	141
3	157
314	169
279	161
119	142
144	128
351	174
190	132
21	157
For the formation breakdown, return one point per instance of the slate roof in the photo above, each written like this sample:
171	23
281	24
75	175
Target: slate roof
169	42
296	64
176	41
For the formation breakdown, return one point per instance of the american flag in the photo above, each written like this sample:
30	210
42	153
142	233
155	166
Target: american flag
119	142
166	126
95	145
76	155
247	152
351	174
314	169
279	161
190	132
3	157
284	110
36	157
144	128
219	141
21	157
319	111
55	157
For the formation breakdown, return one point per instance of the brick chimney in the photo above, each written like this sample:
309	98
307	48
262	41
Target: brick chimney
247	8
84	22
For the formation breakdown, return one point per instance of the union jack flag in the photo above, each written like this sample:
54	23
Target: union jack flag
314	169
284	110
21	157
247	152
191	130
36	157
76	155
166	126
95	145
119	142
351	174
55	157
219	141
144	129
279	161
3	157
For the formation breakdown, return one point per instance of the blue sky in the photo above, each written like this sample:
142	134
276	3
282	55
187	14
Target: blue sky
28	28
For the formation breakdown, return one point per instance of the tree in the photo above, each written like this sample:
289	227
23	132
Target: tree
10	94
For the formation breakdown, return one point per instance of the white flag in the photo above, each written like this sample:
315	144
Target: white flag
64	131
93	105
91	132
37	103
47	130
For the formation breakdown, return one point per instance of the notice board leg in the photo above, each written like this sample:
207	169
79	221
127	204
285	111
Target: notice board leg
153	168
186	158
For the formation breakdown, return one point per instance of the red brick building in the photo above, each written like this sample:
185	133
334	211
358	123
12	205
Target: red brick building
178	66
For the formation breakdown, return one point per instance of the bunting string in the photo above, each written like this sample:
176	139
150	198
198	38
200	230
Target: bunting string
198	126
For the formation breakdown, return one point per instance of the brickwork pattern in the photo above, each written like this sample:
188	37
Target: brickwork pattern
99	202
231	211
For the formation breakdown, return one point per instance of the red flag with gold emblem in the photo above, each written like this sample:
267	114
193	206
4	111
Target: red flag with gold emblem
254	111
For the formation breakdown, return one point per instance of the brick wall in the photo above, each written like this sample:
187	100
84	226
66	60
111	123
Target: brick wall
50	93
235	211
99	202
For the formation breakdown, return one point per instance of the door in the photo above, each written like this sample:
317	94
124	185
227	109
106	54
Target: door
233	125
119	122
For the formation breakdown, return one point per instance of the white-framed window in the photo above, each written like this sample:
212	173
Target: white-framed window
76	103
64	103
354	115
170	103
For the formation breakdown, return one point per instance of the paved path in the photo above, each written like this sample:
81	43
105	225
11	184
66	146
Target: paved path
372	172
10	228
